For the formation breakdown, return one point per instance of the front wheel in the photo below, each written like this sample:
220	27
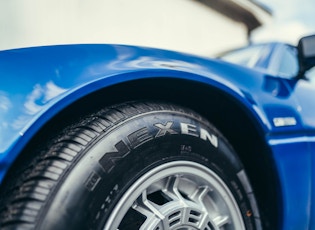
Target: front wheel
149	166
177	195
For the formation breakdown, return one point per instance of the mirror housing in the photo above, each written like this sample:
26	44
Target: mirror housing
306	53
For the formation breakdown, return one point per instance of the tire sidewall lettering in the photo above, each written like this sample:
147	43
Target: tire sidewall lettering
140	135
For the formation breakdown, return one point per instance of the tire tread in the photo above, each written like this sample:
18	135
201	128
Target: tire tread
26	198
29	193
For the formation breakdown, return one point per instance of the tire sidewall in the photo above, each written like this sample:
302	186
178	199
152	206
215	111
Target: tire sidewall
89	191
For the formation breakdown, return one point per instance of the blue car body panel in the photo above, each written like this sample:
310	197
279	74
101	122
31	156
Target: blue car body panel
37	83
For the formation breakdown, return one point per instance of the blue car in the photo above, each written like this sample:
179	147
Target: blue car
120	137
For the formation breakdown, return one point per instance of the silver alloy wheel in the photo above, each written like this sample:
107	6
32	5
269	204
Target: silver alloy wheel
179	195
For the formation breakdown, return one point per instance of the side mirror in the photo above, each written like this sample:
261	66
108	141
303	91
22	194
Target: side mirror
306	53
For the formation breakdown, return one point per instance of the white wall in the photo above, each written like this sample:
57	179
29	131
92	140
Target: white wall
183	25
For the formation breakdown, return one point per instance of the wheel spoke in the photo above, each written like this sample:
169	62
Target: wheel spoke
146	208
200	193
221	220
171	188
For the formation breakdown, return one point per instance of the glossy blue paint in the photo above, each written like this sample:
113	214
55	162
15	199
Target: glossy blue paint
294	165
312	213
37	83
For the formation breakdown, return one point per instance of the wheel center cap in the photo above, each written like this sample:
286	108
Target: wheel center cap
178	215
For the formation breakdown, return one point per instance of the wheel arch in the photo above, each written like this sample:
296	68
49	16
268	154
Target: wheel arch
227	114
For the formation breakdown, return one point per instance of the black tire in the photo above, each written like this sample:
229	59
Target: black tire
165	161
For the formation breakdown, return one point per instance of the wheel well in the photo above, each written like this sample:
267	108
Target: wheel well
220	109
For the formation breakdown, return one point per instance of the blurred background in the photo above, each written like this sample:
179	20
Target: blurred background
202	27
